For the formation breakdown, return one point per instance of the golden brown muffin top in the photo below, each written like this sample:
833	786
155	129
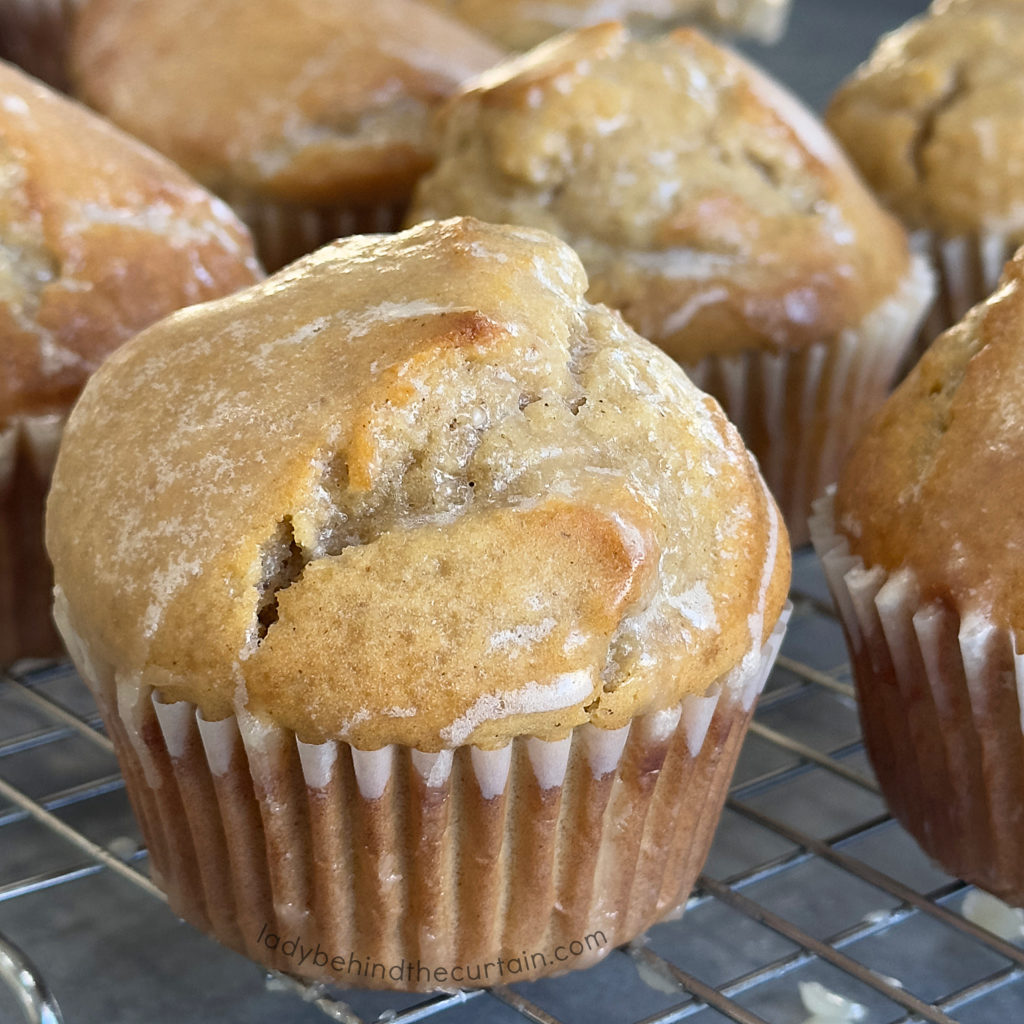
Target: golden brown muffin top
520	24
706	203
99	237
933	118
297	100
413	489
937	483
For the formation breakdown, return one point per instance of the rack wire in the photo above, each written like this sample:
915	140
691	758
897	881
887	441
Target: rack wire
809	880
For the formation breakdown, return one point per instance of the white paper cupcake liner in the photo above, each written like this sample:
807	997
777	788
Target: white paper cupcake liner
28	450
35	34
414	870
763	20
968	268
800	410
282	232
940	699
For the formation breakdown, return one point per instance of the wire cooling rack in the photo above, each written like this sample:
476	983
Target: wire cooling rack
809	880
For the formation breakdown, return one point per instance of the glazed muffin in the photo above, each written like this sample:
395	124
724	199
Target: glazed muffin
520	24
428	583
310	118
101	237
922	551
35	34
932	120
722	221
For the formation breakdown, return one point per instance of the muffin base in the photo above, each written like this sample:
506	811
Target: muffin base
419	871
282	232
940	701
36	34
28	450
800	410
968	268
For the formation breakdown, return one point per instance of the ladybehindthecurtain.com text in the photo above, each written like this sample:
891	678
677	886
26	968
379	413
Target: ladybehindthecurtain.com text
419	973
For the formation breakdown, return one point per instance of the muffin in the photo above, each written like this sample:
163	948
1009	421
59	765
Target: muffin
310	118
932	120
101	237
922	551
520	24
722	221
34	34
431	597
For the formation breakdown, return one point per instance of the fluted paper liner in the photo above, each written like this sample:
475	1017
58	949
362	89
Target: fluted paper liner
28	450
282	232
396	868
940	701
36	35
968	268
800	410
763	20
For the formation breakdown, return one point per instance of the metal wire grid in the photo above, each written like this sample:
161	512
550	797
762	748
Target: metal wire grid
783	913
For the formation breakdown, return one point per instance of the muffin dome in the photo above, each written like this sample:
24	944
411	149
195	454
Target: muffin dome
932	122
521	24
313	120
720	217
414	489
936	486
933	118
302	101
101	238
